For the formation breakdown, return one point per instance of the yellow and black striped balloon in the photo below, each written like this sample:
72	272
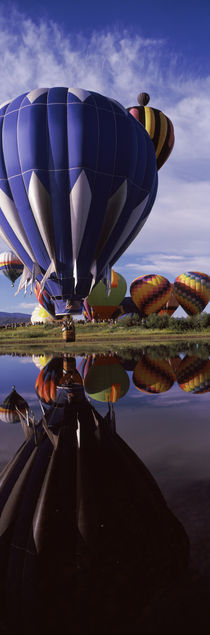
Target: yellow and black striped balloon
192	290
171	305
158	126
150	293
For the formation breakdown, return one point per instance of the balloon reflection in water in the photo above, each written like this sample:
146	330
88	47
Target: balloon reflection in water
41	360
106	379
58	372
150	293
153	375
88	533
11	405
192	290
194	375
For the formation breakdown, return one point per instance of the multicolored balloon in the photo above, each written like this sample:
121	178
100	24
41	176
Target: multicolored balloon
153	375
41	360
192	290
150	293
40	315
44	299
158	126
171	305
78	181
8	409
10	265
194	375
106	380
102	303
59	371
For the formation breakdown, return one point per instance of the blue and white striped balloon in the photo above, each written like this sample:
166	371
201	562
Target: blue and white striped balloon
78	179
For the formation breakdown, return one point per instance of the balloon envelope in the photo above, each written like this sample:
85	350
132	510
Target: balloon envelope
153	375
58	372
103	303
159	128
194	374
78	181
40	315
150	293
171	305
192	290
127	307
8	409
10	265
106	380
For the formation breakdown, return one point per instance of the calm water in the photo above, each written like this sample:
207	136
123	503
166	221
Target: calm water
161	403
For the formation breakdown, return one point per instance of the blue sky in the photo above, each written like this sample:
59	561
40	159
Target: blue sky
120	49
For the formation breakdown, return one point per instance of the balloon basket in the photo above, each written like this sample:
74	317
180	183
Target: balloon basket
68	335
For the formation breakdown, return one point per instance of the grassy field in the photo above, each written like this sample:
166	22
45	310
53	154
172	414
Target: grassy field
90	338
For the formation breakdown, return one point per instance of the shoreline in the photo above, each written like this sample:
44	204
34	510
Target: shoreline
95	342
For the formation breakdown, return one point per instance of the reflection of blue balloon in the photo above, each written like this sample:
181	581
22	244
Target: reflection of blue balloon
78	180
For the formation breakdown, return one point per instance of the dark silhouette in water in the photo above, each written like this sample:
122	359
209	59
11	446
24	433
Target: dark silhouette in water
86	537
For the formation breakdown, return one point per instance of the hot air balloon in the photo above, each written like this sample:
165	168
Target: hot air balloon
10	406
153	375
78	181
158	126
40	315
194	374
171	305
106	380
44	299
192	290
103	303
150	293
10	265
127	307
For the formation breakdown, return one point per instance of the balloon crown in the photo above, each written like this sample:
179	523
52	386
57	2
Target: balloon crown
143	99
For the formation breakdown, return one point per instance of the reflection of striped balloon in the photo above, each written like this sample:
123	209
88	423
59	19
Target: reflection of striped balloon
152	375
150	293
192	290
106	379
194	374
58	372
8	412
10	265
171	305
159	128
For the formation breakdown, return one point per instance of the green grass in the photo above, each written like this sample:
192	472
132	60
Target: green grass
91	337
